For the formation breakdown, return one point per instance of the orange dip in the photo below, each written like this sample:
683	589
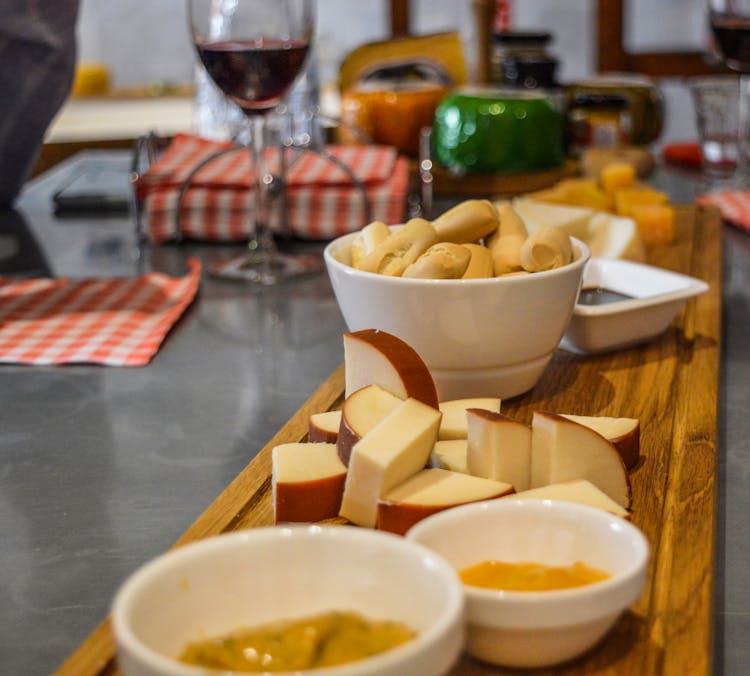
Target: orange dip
530	576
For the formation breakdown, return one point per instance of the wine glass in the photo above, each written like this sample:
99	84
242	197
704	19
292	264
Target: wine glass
254	50
730	25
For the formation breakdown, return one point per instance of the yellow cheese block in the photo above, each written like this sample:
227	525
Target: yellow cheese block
395	449
617	175
450	454
655	223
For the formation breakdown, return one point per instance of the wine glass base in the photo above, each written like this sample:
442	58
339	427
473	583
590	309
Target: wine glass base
267	269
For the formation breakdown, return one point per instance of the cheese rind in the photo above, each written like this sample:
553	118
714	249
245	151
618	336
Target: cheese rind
498	448
395	449
377	357
431	491
580	491
307	482
563	450
623	433
324	427
361	411
454	425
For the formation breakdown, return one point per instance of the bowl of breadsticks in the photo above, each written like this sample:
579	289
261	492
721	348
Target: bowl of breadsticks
482	301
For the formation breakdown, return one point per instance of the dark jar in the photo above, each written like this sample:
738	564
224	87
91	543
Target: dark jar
520	59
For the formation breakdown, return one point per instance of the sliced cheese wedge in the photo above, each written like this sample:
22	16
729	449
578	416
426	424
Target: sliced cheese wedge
307	482
536	215
498	448
395	449
624	433
581	491
453	424
431	491
361	411
324	427
615	237
450	454
563	450
377	357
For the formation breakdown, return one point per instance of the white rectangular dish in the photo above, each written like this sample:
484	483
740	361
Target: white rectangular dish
654	297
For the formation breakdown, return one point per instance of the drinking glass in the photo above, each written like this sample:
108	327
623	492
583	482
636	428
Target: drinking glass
730	25
254	50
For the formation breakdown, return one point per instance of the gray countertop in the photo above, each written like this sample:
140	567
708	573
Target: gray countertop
103	468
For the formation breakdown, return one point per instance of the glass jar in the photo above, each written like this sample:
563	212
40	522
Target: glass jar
520	59
597	120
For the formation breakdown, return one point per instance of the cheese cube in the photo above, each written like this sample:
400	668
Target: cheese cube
395	449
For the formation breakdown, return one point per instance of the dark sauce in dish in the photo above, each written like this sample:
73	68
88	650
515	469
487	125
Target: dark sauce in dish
597	295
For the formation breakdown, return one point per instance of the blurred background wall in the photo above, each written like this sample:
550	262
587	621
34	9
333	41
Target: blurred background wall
144	42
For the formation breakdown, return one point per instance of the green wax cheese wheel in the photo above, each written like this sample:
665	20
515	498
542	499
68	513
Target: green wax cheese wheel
497	130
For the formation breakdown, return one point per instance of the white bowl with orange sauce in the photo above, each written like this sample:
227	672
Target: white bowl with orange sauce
539	628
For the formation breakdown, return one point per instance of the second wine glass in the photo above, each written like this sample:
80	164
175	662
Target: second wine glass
254	50
730	24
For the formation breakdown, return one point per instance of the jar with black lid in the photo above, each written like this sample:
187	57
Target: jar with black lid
597	120
520	59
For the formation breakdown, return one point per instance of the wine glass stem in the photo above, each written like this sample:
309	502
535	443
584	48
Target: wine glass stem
743	160
262	242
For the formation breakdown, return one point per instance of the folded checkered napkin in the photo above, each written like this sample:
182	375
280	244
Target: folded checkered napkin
733	204
322	201
115	322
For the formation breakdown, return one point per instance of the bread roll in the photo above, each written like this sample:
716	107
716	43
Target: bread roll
510	223
480	264
444	260
368	238
468	221
400	249
545	249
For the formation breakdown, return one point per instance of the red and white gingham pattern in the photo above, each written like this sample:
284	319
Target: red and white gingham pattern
321	199
733	204
115	322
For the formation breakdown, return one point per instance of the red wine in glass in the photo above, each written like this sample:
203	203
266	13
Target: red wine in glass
733	39
255	74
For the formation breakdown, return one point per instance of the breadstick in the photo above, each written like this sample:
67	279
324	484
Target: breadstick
368	238
400	249
468	221
545	249
444	260
480	264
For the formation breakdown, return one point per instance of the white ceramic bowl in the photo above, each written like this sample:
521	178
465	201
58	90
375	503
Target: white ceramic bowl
535	629
247	578
479	337
656	296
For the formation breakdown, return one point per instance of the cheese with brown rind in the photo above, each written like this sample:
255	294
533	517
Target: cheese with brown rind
377	357
431	491
453	424
360	412
395	449
498	448
307	482
623	433
324	427
563	450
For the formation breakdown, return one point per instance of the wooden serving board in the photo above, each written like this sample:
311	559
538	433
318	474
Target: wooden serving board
671	385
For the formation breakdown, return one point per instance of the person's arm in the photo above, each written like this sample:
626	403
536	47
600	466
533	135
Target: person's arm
37	62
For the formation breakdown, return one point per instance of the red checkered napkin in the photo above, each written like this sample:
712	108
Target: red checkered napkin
322	201
733	204
115	322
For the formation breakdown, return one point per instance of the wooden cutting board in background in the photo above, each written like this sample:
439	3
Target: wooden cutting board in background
671	385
